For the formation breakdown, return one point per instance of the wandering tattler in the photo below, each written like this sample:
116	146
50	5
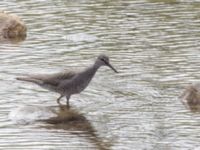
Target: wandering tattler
69	83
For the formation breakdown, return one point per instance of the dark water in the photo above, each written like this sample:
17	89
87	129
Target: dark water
154	44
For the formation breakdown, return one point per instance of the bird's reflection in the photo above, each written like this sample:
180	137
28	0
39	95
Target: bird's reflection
71	120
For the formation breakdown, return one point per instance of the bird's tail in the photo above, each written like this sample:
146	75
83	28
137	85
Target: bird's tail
28	79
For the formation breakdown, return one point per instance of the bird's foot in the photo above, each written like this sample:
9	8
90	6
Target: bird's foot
68	106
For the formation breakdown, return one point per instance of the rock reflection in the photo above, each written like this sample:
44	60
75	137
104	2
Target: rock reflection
71	120
191	97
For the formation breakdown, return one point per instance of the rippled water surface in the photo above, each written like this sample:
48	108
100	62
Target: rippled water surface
154	44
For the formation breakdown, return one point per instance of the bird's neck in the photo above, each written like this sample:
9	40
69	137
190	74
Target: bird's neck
89	72
92	70
83	78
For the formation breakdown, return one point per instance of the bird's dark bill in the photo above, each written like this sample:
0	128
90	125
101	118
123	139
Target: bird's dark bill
109	65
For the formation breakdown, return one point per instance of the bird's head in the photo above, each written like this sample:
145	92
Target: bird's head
103	60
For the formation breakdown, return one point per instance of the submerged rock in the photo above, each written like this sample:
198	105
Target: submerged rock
11	27
191	97
81	37
30	114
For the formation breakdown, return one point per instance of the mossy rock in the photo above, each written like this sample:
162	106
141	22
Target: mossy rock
191	97
11	27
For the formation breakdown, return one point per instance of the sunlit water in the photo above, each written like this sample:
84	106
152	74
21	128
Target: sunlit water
154	44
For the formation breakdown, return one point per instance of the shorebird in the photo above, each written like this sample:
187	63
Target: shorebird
69	83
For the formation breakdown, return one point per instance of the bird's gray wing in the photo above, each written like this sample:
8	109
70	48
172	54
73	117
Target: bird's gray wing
54	79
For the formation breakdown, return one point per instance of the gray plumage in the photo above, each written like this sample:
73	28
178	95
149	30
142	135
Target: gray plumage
68	83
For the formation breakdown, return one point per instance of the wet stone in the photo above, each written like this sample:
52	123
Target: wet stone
12	27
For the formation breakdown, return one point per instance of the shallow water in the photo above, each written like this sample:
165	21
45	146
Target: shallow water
154	44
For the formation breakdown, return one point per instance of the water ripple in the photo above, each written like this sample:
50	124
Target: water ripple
154	44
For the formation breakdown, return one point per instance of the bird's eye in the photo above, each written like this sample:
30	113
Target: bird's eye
102	60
